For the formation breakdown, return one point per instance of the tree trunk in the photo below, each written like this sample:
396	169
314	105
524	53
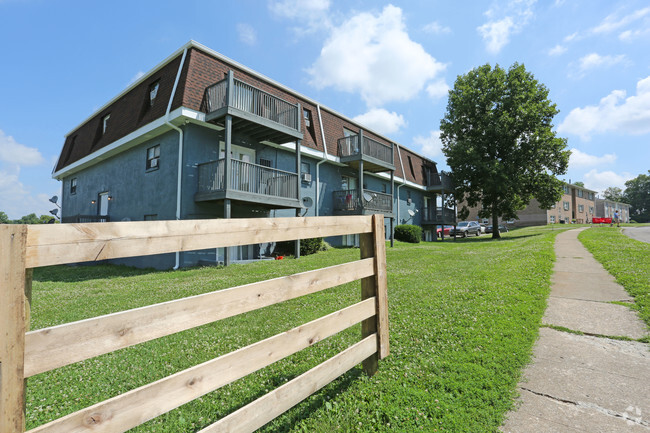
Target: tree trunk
495	226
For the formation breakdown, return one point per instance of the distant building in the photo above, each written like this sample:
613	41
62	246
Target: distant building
606	208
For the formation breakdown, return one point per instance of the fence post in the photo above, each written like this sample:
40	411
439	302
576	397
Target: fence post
373	245
14	288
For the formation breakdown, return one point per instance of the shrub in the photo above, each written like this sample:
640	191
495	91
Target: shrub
408	233
307	247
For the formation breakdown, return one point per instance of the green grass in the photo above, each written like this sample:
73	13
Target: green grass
463	319
628	260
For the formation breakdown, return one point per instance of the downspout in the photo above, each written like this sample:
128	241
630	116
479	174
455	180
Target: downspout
322	132
180	148
401	163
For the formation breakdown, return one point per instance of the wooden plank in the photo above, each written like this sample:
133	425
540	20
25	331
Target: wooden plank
12	327
369	290
381	283
140	405
254	415
61	345
70	243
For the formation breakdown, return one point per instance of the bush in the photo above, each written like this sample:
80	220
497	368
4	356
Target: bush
307	247
408	233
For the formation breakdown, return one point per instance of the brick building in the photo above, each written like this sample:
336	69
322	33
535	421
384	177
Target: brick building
202	136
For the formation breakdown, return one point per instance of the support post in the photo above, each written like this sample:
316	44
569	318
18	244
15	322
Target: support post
392	194
374	245
15	288
299	182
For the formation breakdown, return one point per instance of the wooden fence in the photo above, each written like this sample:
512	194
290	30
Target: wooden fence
24	353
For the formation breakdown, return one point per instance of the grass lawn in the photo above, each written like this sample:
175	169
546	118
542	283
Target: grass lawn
463	319
628	260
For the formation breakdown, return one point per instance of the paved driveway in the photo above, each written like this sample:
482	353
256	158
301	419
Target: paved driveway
639	233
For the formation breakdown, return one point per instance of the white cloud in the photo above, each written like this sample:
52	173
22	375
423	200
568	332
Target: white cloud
374	56
599	181
592	61
613	22
436	28
571	37
430	146
15	153
381	120
557	50
630	35
312	15
247	33
582	159
503	22
614	113
438	89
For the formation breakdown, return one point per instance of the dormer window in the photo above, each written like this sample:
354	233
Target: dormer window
105	120
306	114
153	92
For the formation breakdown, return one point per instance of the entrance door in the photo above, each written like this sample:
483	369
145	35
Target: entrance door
102	204
242	174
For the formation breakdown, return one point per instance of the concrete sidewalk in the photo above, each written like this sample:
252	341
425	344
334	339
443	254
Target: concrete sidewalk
585	383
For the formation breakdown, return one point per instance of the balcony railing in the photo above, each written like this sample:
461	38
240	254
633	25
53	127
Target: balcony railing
251	100
349	201
440	181
248	177
438	215
349	146
86	219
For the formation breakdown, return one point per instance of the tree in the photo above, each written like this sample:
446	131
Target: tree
28	219
4	219
637	193
614	193
582	184
498	139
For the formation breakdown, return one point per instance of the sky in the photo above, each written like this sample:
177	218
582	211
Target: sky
388	65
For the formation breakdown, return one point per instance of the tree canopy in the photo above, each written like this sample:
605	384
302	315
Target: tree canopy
498	139
637	194
614	193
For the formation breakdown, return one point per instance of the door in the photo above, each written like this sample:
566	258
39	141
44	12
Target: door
102	205
243	173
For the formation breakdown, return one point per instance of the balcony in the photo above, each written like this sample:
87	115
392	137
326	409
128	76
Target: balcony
256	113
439	182
348	202
249	182
376	156
438	216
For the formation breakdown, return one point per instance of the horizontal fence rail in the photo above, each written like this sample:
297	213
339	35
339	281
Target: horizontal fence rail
251	100
248	177
25	353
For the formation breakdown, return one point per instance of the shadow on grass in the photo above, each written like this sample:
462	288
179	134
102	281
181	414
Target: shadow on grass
76	273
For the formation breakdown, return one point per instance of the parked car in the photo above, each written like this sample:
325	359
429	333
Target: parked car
439	231
502	228
466	228
483	226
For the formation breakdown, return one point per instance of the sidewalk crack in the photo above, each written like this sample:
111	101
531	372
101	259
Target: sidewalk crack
628	415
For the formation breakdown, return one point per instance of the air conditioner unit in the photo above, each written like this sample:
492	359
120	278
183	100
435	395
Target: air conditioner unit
306	177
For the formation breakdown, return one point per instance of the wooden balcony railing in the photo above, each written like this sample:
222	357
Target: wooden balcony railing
251	100
350	146
438	215
349	201
248	177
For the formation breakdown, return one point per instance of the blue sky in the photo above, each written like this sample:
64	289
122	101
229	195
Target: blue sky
389	65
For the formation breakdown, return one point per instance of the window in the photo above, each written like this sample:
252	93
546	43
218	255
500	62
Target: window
566	205
566	189
153	92
580	193
581	208
73	186
151	217
266	162
591	210
552	219
348	133
105	120
411	165
306	114
305	167
153	157
384	188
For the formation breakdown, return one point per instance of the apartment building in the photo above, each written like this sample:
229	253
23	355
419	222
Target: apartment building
202	136
577	205
606	209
